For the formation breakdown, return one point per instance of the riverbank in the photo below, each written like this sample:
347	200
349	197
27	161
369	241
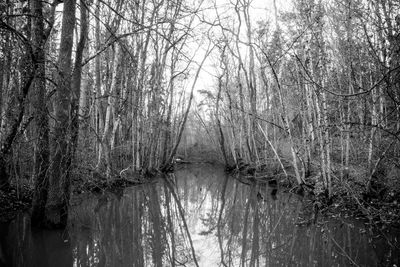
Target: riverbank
349	198
378	208
14	200
18	197
199	213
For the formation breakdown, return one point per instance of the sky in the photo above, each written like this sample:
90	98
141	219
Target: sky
260	10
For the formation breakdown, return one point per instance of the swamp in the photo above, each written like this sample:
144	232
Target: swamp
200	133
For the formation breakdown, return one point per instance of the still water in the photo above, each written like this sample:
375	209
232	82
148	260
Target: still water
197	217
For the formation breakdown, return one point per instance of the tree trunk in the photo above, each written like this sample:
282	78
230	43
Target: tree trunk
15	113
326	142
220	132
374	121
285	121
96	96
105	142
59	186
76	80
42	152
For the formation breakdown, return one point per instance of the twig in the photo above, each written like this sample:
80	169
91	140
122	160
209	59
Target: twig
343	251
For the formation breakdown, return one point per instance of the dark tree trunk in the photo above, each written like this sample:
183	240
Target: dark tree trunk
42	125
15	114
59	184
4	179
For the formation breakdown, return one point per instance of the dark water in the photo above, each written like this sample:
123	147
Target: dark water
201	214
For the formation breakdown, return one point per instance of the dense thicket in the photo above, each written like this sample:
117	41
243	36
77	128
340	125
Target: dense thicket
91	88
314	90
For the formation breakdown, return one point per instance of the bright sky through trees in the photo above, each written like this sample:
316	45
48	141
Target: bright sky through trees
260	11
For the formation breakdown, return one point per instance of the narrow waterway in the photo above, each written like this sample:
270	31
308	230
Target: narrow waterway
198	216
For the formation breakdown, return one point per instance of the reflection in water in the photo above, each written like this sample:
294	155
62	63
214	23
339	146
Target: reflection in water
197	217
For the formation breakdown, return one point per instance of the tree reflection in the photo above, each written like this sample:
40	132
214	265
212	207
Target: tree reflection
197	217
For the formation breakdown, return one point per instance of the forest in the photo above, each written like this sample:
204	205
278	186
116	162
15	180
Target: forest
109	93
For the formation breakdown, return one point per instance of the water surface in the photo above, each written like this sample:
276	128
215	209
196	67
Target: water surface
197	217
